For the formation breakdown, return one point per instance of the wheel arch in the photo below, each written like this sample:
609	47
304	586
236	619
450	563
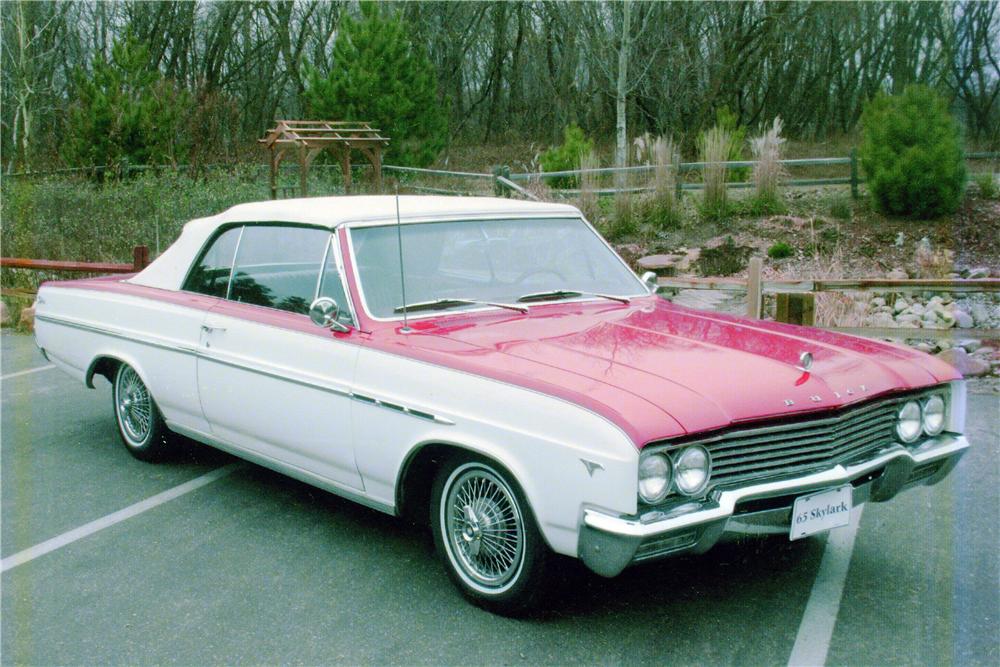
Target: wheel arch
106	365
416	477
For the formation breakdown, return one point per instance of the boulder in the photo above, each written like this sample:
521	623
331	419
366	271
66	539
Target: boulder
962	319
963	363
883	320
970	345
657	262
897	274
908	319
28	318
900	305
924	346
916	309
878	302
978	273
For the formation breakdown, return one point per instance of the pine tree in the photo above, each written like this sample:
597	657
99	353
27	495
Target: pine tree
379	75
125	112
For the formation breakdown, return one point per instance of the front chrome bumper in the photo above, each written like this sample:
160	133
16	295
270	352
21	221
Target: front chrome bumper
610	543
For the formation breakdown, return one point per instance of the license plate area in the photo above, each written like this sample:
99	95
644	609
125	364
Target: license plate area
821	511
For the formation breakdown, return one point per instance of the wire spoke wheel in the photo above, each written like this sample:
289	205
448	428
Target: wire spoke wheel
134	406
484	528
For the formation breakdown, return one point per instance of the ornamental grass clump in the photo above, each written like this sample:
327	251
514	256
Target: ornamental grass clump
768	171
663	208
715	146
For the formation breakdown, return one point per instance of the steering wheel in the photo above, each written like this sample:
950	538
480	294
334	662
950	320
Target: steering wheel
527	274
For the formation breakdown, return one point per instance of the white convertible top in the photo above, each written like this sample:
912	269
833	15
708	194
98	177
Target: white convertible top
170	268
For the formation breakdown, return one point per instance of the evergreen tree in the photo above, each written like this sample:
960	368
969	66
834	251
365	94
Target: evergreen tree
911	153
379	75
125	113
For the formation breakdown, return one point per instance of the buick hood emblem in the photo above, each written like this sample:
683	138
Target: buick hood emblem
805	361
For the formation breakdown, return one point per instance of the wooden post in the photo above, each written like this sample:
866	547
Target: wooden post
274	174
140	257
754	287
345	167
854	173
796	308
377	166
303	172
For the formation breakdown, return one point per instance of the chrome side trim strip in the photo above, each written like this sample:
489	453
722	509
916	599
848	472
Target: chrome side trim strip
285	469
201	354
134	338
937	448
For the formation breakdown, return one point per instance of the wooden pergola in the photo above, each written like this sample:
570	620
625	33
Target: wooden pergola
308	138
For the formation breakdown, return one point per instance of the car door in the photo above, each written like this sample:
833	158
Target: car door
270	381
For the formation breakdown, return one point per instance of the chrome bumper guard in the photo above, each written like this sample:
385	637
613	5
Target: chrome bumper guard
610	543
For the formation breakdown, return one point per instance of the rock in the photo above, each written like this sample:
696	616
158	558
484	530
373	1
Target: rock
935	301
4	315
883	320
908	318
916	309
28	317
962	319
963	363
900	305
978	273
878	302
900	239
924	346
970	345
897	274
657	262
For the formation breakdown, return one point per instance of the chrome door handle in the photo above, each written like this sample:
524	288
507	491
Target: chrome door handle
208	329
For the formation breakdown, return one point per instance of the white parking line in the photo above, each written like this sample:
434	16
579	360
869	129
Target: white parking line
88	529
27	372
820	617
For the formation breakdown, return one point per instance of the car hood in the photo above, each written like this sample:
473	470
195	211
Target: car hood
659	370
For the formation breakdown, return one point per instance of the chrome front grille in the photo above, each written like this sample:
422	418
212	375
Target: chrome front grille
798	446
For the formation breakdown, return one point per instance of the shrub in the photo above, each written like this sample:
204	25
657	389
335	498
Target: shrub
625	222
380	75
715	150
566	157
911	153
588	184
726	120
986	185
780	250
840	208
660	208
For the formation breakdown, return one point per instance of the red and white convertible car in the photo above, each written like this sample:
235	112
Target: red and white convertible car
515	383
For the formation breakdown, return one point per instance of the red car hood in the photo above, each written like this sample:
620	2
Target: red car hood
659	370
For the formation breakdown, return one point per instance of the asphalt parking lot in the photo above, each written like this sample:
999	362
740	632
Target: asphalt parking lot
247	566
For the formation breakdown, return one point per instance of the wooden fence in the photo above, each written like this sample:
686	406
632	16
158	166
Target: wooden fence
796	298
140	260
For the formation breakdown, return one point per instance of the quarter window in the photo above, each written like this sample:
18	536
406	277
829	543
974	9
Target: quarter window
279	267
211	275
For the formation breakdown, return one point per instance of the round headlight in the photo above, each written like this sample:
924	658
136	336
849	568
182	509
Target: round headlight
654	478
691	470
908	422
934	415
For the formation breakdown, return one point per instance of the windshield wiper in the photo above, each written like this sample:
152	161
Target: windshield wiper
444	304
556	294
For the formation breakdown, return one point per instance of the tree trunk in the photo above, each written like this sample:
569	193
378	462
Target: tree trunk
621	129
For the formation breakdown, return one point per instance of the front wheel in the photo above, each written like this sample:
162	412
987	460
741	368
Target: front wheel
486	535
140	423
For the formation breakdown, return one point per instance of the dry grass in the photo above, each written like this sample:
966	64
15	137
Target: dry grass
767	152
715	147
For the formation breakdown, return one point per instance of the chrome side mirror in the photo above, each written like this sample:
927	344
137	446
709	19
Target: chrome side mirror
649	279
323	313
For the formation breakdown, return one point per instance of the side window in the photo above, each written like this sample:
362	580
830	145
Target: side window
211	275
332	285
278	267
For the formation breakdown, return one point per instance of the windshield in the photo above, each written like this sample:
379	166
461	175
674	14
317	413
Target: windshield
485	260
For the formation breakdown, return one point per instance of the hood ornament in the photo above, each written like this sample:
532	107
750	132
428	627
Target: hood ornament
805	361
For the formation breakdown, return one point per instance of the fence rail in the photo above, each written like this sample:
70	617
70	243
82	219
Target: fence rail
796	298
140	260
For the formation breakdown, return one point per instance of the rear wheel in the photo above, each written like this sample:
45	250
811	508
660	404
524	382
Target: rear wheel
140	424
486	535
